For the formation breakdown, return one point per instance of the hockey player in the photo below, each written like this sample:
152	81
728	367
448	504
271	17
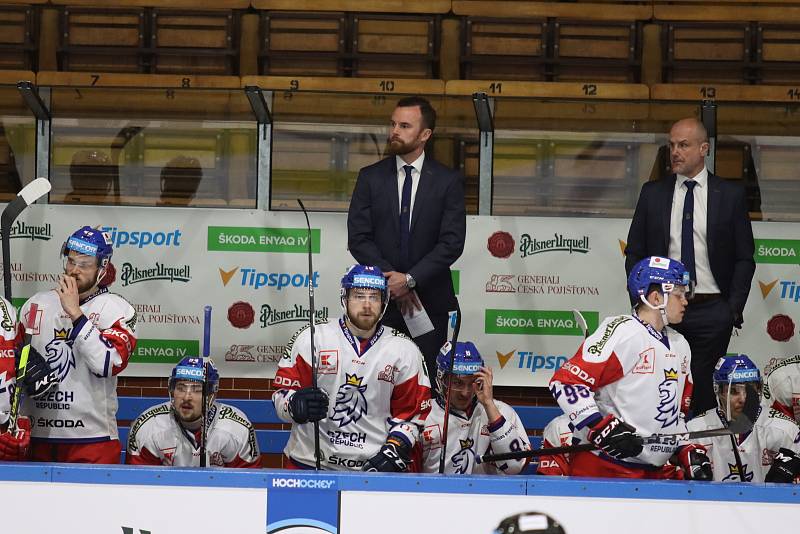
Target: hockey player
557	433
38	380
373	375
768	453
632	378
87	334
478	424
171	433
782	386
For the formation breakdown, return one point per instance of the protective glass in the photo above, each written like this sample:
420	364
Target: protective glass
184	388
361	297
81	264
740	402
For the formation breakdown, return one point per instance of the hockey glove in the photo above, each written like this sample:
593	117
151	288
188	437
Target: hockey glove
616	438
392	458
308	405
14	447
695	463
39	377
785	467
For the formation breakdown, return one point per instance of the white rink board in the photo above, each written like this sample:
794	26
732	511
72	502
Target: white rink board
107	508
366	513
516	302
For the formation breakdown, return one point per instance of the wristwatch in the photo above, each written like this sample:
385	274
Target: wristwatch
410	282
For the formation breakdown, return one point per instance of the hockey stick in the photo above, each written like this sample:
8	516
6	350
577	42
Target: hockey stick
204	410
736	427
445	425
22	369
27	196
314	362
581	322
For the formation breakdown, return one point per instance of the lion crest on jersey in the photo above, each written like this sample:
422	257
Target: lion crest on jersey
733	473
350	401
668	406
59	354
462	459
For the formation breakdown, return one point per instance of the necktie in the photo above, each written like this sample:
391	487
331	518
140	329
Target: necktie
687	230
405	216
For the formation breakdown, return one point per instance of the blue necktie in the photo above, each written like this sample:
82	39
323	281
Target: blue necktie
405	216
687	230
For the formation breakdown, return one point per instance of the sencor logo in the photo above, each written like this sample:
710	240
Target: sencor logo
302	483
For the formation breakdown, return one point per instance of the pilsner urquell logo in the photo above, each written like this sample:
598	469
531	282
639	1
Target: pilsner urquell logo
20	230
529	246
133	275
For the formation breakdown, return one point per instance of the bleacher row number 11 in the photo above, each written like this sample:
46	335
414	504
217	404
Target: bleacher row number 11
588	89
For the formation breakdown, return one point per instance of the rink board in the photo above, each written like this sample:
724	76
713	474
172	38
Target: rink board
165	500
518	281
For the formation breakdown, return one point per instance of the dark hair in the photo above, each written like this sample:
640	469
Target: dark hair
428	113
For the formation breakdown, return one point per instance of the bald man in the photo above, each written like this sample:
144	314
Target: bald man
701	219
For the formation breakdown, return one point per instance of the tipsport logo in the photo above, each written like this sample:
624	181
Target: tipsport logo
142	238
788	290
532	361
255	279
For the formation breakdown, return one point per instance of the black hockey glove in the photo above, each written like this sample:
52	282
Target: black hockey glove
695	463
785	467
392	458
616	438
308	405
39	377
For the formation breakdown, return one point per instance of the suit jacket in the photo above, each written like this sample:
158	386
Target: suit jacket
729	235
438	227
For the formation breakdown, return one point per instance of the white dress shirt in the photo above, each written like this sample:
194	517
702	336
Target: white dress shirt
702	266
401	177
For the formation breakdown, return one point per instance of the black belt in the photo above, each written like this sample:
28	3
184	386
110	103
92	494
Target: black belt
700	298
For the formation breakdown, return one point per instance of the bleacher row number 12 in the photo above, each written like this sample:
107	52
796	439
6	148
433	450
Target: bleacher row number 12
588	89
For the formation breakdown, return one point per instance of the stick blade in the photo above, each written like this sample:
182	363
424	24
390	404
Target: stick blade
35	190
581	321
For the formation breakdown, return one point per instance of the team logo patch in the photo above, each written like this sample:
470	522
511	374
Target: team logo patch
733	473
646	364
432	437
668	399
350	401
59	353
328	362
387	375
463	458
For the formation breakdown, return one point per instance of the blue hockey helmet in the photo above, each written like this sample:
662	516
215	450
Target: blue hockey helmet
665	272
466	362
735	370
192	368
364	276
91	242
737	384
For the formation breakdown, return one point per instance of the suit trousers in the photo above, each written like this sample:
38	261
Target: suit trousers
707	326
429	344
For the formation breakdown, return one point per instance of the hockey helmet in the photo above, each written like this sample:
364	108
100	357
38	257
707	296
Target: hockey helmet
466	361
194	368
737	383
91	242
364	276
529	523
665	272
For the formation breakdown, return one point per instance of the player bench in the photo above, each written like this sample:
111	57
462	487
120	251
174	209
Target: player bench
271	440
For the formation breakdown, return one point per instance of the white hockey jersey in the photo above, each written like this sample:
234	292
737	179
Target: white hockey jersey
8	341
157	438
375	387
471	434
87	356
628	369
771	431
557	433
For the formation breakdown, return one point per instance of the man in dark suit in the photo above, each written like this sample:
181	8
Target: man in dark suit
702	220
407	216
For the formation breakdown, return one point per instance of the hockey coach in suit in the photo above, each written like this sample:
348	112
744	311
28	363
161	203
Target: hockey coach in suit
407	216
702	220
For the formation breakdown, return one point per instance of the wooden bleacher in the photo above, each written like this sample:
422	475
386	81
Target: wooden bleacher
272	433
17	156
18	37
